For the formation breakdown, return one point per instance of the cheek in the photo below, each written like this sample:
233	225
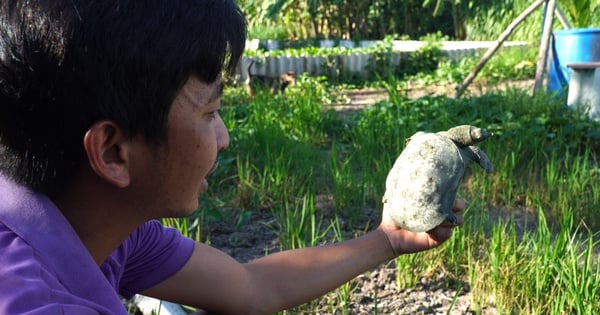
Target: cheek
200	151
193	145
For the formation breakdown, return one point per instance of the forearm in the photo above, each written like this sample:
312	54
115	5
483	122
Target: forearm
297	276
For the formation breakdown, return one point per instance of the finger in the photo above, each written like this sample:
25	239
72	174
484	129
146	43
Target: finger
441	233
459	221
459	205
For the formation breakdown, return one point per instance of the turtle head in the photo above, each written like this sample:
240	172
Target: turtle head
466	135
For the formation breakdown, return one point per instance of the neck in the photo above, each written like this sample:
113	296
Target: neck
100	215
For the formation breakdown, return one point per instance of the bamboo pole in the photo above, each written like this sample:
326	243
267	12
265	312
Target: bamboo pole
545	43
560	14
490	52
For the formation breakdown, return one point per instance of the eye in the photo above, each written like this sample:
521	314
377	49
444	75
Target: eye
213	114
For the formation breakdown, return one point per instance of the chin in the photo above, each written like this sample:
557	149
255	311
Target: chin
185	211
180	213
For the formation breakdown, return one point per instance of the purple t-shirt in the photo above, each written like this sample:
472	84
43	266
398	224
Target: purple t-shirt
45	268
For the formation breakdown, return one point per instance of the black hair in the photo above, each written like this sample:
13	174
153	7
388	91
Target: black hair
66	64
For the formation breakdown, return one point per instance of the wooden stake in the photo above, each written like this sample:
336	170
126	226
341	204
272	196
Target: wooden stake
545	43
562	17
490	52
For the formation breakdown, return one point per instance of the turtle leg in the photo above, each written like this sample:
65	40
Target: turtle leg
477	155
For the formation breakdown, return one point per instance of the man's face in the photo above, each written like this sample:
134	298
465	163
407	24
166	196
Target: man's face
195	134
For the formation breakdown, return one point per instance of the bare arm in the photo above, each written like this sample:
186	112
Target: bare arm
214	281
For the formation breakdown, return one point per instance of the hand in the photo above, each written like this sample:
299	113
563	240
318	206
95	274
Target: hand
404	241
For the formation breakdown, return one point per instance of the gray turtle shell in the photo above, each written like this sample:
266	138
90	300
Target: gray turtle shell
422	184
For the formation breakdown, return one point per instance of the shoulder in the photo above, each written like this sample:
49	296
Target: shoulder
18	261
154	237
31	285
152	254
27	284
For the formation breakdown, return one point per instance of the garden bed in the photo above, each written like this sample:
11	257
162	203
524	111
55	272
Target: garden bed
350	59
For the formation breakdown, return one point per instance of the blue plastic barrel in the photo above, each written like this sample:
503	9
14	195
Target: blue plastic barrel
571	45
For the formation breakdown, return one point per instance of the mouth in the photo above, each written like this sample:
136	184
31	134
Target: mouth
204	183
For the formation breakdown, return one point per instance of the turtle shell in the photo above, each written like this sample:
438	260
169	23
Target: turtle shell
422	184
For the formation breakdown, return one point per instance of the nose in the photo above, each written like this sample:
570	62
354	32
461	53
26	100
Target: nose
222	134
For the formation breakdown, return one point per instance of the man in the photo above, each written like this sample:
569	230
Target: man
109	119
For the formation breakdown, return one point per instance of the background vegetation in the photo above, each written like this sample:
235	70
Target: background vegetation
290	150
375	19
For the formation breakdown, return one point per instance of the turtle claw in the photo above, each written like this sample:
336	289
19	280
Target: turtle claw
452	219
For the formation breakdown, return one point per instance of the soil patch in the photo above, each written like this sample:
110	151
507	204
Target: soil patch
351	102
374	291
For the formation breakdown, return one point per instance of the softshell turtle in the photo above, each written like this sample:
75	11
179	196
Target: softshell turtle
422	184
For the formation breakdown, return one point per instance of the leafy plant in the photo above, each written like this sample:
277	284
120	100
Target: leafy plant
426	59
582	13
274	32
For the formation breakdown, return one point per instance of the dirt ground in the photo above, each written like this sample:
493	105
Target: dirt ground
375	290
352	101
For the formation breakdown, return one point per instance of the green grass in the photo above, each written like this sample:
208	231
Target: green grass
286	151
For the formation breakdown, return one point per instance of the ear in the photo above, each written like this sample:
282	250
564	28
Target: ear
107	149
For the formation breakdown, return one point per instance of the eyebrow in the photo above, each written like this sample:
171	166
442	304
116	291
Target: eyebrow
216	92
